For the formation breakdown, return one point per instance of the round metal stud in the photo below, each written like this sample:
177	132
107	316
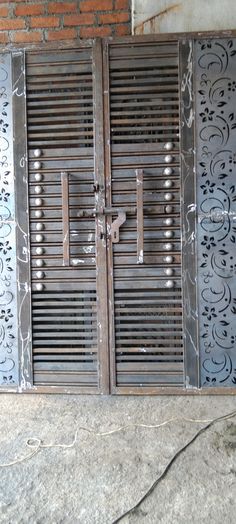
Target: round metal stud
170	284
38	202
75	262
168	259
38	177
37	164
168	246
168	146
39	238
169	271
169	233
39	287
169	209
38	190
37	153
168	159
168	196
168	221
39	250
168	171
39	262
40	274
168	183
39	226
39	213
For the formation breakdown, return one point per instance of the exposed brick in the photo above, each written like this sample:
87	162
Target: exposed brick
113	18
26	10
62	7
45	21
84	19
122	29
96	5
64	34
122	4
3	11
11	24
90	32
24	36
3	38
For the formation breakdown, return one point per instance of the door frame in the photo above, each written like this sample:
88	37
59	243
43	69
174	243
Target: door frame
192	385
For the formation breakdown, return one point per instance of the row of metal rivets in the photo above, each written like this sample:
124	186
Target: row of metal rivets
168	209
39	214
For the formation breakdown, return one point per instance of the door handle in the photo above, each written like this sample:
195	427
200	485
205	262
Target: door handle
65	217
116	224
139	196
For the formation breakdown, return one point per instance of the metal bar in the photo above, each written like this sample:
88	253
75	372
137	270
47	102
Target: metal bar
101	258
115	227
22	226
139	181
107	137
188	217
65	218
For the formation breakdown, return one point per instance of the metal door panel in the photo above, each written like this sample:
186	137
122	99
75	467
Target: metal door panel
146	339
63	99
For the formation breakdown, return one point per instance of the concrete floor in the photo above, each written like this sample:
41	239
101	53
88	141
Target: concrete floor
100	477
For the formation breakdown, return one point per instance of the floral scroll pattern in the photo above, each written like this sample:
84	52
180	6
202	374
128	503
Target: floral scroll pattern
216	197
8	321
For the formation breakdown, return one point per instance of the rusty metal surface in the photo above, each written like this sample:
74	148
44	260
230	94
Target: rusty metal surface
215	87
145	298
60	94
24	335
188	216
165	16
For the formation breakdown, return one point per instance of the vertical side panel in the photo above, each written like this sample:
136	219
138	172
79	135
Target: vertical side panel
215	87
107	136
9	375
22	221
99	188
188	210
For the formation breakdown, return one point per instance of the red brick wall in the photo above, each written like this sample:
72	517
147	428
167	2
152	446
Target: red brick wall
47	20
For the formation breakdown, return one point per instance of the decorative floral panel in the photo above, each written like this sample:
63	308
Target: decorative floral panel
8	284
216	203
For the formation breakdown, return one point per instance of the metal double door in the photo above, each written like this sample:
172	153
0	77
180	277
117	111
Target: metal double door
103	139
117	223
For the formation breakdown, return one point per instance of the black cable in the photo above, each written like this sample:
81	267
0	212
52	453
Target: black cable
174	458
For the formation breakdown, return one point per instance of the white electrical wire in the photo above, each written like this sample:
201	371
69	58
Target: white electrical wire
36	444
